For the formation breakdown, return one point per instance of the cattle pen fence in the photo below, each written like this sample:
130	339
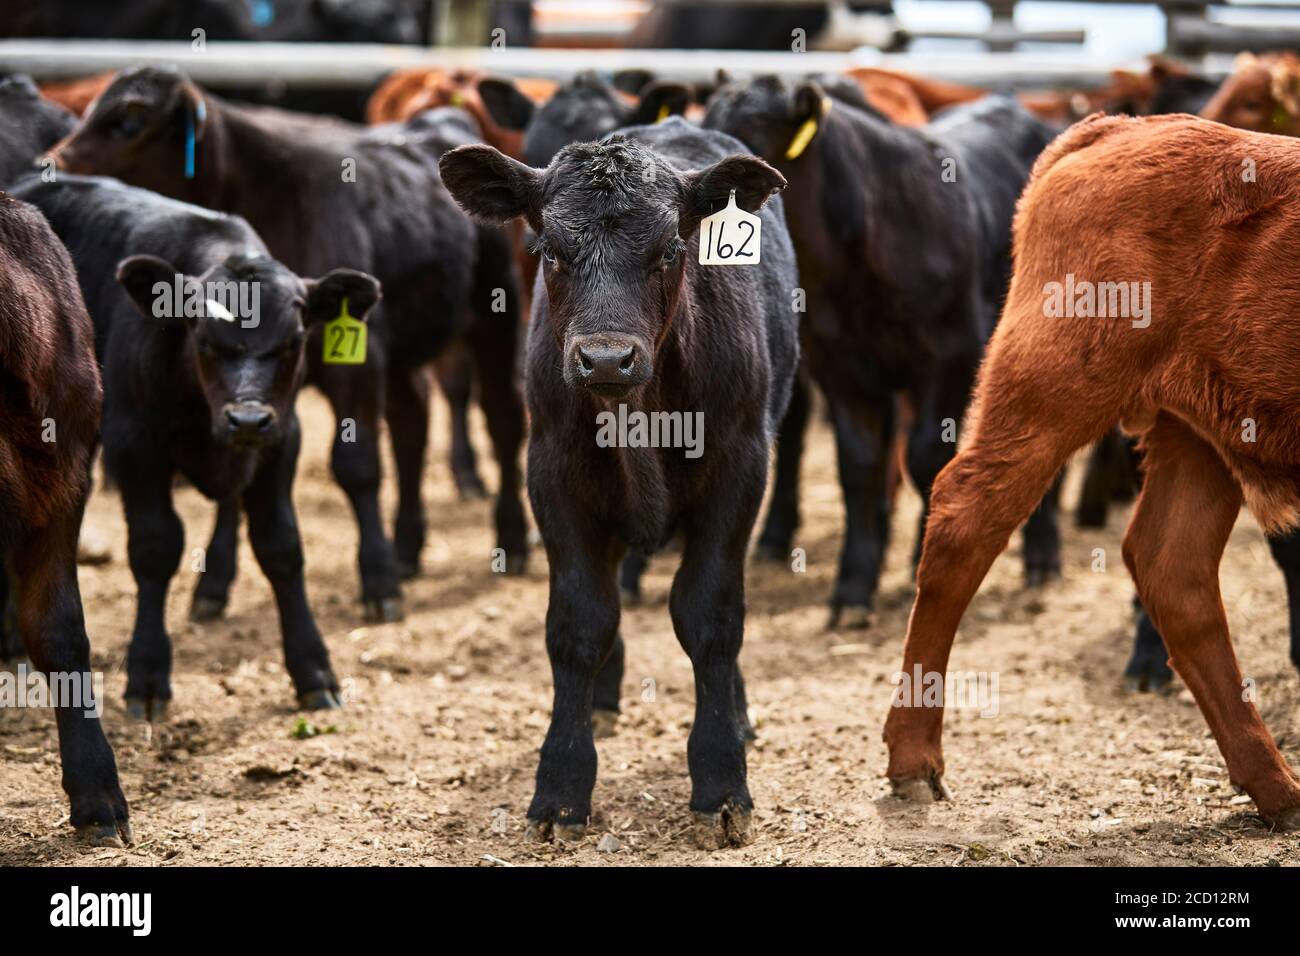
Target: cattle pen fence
1194	28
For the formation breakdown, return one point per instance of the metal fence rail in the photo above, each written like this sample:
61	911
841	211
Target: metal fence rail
342	66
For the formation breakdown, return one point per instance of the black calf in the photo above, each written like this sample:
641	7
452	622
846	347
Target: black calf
203	348
626	320
323	194
904	246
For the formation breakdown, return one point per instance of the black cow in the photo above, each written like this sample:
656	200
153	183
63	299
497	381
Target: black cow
624	318
198	385
29	125
904	246
49	420
584	109
326	194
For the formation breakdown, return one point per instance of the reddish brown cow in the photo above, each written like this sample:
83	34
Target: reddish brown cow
49	422
1262	94
407	92
76	95
1207	378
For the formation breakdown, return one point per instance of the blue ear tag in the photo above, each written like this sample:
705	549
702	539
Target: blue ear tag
199	114
263	12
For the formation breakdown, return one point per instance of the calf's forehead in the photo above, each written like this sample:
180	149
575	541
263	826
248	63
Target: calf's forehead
617	188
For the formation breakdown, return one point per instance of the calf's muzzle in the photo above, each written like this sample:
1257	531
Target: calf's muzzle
608	363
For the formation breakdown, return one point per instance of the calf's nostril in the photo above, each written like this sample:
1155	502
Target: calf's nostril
626	364
584	360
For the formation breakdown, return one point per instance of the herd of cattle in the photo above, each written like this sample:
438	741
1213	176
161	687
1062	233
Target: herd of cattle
886	280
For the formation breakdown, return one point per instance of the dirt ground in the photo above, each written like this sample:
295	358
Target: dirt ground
432	760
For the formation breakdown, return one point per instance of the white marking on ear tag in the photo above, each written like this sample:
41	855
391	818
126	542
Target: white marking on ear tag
215	310
731	237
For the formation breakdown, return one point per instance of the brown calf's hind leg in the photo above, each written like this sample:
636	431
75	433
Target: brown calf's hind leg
1019	444
1173	547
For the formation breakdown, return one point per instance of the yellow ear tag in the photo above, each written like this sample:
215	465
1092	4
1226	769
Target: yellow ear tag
345	339
806	132
664	113
801	139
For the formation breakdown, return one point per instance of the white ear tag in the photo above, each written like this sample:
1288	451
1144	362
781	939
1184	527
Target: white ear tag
731	237
215	310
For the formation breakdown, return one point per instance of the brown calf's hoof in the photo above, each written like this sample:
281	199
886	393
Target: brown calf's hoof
383	610
729	827
1286	821
918	790
207	609
327	698
152	709
105	834
604	723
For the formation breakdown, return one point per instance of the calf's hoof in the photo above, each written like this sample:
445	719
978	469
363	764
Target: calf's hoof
325	698
1148	674
773	552
152	709
470	488
729	826
544	831
1093	515
853	617
382	610
921	790
116	835
1287	821
1037	575
207	608
604	723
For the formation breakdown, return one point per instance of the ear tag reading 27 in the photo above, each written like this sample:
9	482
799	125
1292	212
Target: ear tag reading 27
345	339
731	237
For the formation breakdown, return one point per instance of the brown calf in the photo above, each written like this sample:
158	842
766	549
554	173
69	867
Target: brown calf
76	95
1262	94
1159	200
49	423
407	92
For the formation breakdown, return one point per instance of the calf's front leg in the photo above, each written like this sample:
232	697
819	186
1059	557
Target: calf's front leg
273	532
708	611
155	538
212	593
581	630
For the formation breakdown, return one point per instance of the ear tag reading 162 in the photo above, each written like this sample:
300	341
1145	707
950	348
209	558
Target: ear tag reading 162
731	237
345	339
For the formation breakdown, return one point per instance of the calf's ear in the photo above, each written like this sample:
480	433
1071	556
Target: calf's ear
809	104
325	295
658	102
508	107
708	189
150	282
488	184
